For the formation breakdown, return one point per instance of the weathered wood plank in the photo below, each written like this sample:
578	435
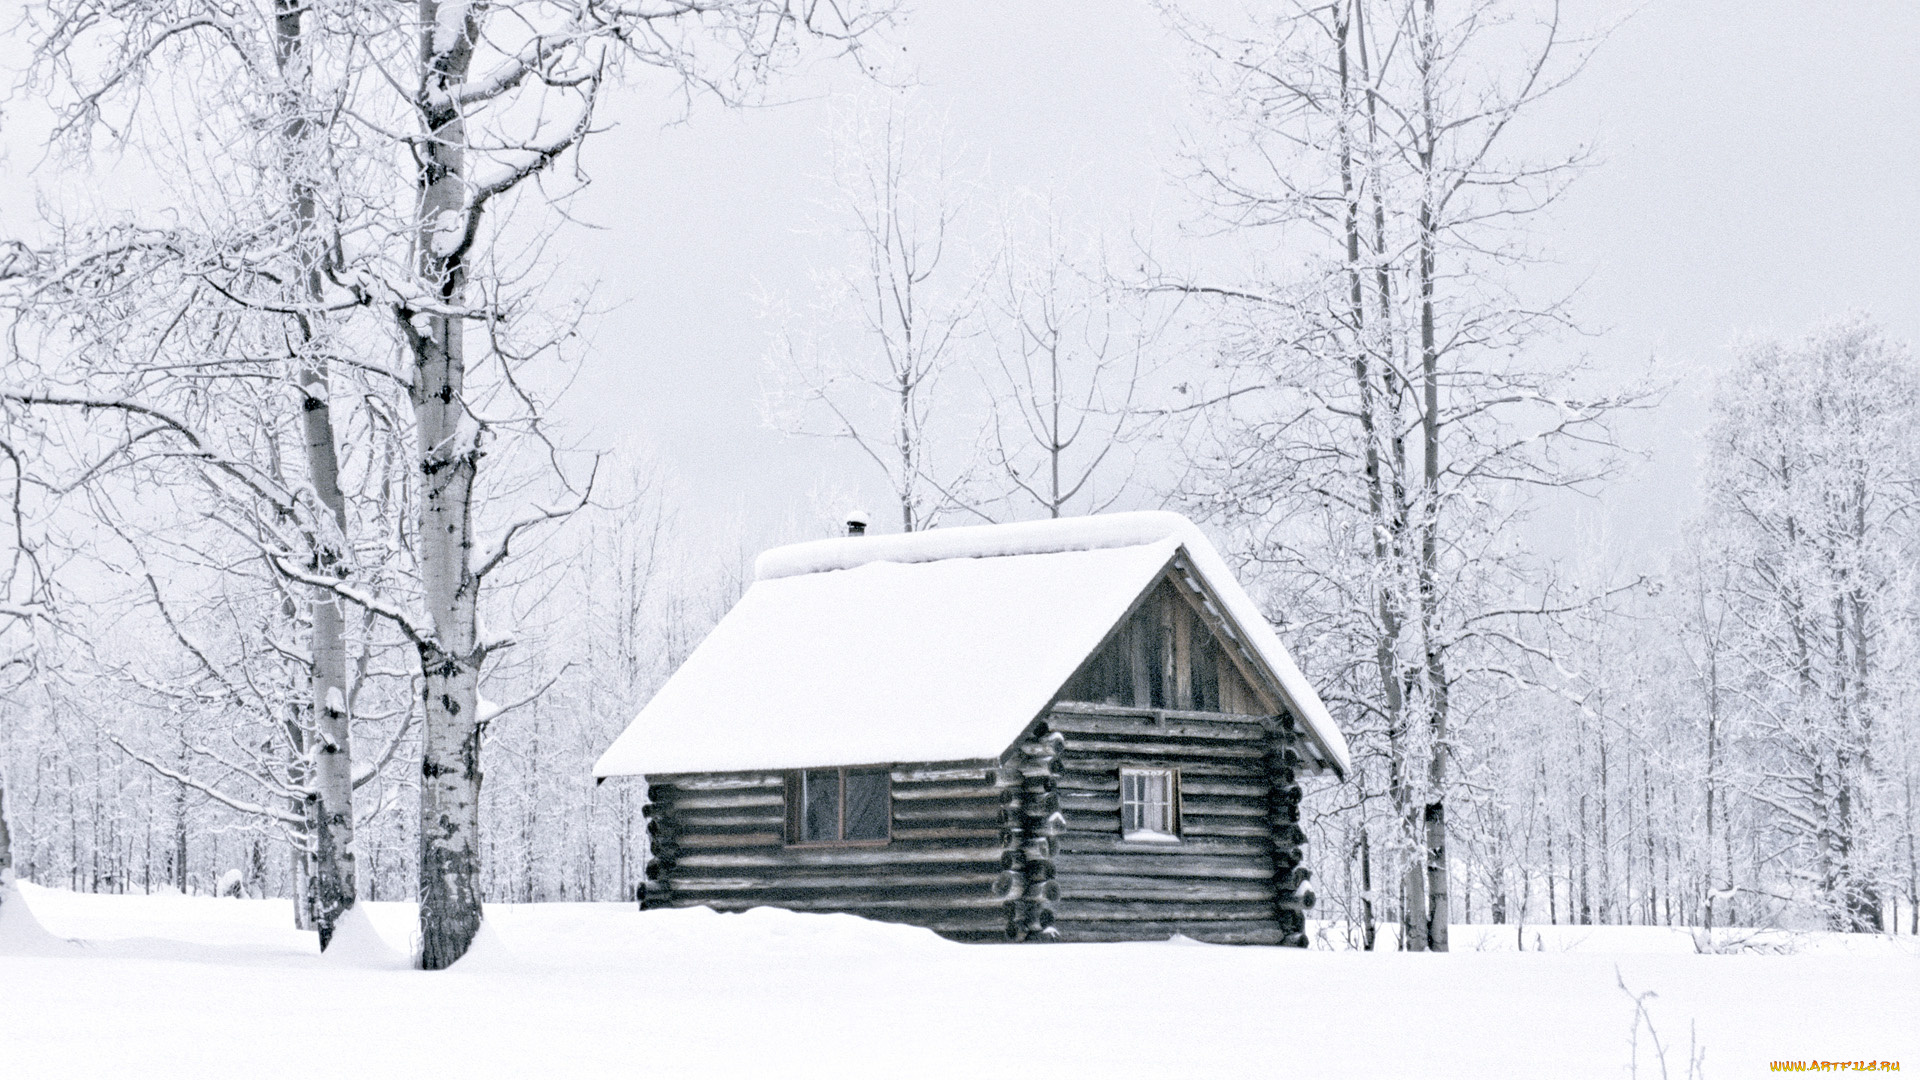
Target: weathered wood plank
964	919
951	810
918	792
1169	865
1082	822
688	820
729	839
1097	764
1231	933
1112	843
1200	825
969	770
1078	747
1205	730
1240	789
858	903
956	880
1222	806
952	832
892	854
729	800
1089	781
1086	708
716	781
1075	909
1093	886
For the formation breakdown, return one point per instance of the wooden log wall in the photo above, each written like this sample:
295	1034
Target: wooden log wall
1031	828
719	839
1291	897
1225	880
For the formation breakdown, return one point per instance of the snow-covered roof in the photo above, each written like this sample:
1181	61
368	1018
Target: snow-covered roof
932	646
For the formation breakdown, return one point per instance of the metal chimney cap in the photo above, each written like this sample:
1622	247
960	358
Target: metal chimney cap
857	521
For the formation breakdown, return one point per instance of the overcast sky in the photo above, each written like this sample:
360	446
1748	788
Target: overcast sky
1758	171
1759	165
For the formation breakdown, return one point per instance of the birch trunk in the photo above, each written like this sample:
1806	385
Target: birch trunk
1436	673
331	791
449	456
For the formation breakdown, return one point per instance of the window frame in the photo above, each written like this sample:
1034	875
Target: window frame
791	787
1175	833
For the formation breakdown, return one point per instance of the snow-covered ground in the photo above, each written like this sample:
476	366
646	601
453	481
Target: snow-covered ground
188	986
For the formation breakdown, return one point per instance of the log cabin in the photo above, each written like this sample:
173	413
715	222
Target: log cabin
1071	730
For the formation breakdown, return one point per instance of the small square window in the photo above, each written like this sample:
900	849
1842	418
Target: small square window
1149	805
839	806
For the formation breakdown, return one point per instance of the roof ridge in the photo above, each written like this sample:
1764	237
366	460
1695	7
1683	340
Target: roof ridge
1047	536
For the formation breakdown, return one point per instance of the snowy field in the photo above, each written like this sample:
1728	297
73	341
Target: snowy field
179	986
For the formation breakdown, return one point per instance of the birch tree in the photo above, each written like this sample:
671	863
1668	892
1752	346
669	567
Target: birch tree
1811	488
465	105
878	359
1071	351
1382	412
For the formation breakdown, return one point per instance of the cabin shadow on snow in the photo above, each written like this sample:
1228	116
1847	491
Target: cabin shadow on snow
1072	730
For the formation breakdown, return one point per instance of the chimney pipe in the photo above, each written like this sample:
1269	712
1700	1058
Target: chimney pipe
856	523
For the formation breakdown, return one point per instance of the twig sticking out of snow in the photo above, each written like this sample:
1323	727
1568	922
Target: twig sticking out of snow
1696	1054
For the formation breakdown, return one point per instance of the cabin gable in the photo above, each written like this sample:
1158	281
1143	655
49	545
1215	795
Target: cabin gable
1168	653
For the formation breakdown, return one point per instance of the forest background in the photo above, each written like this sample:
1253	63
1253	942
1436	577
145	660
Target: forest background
1672	573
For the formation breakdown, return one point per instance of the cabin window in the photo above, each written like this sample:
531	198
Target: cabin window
1149	805
839	806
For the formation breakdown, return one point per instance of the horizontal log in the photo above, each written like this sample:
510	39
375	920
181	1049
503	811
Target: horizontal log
1222	806
1167	865
1106	886
1229	933
1109	843
1133	910
729	800
1110	764
945	832
903	847
759	817
703	840
831	880
1198	751
715	782
1064	710
892	854
1080	822
988	918
1224	826
919	792
673	828
972	770
1212	730
1239	789
1087	781
948	810
857	902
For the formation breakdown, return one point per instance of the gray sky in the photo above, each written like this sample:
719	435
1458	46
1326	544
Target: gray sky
1758	172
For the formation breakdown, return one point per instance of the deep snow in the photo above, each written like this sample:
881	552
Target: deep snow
187	986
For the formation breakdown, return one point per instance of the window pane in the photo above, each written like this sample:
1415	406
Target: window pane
867	804
820	804
1129	802
1146	804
